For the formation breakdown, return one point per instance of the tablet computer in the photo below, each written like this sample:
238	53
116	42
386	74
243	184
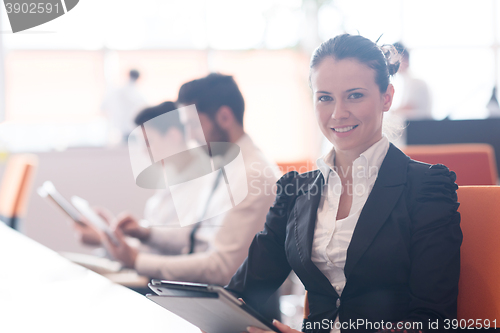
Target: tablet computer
48	191
211	308
84	208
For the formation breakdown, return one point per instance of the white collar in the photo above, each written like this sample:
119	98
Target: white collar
371	159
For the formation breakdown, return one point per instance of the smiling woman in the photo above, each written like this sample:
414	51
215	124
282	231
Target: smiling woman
345	97
374	236
350	82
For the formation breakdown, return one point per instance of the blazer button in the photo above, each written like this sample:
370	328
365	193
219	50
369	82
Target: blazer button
338	303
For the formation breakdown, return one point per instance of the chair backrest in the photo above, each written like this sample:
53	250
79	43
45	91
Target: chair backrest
299	166
16	187
479	287
306	306
473	163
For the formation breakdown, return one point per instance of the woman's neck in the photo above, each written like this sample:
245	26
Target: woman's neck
344	159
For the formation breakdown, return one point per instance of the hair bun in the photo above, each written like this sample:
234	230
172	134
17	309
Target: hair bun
392	58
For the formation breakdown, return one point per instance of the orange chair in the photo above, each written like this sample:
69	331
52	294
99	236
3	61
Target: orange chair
473	163
16	187
306	307
479	287
299	166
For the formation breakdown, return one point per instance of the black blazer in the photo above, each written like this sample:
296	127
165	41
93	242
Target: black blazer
403	262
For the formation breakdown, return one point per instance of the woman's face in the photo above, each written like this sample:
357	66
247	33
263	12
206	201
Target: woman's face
348	103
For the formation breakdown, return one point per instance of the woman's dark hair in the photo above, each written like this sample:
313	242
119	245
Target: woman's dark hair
160	125
384	60
402	50
211	92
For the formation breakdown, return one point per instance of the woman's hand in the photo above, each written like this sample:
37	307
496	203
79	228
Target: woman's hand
282	327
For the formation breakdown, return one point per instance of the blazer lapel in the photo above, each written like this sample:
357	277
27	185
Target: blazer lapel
304	215
381	201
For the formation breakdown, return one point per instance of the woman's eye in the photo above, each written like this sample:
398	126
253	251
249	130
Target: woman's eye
325	98
355	95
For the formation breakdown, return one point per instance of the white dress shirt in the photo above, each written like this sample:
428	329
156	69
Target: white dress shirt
161	216
331	236
222	242
160	208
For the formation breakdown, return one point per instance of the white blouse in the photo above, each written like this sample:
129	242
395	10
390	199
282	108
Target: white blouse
331	236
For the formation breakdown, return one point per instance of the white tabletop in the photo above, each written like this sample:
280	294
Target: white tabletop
40	291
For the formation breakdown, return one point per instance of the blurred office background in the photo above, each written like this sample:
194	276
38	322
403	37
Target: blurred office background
54	78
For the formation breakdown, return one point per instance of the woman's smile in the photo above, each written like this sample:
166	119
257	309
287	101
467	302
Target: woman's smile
343	129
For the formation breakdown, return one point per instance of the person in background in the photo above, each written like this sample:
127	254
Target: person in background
120	107
160	209
373	235
414	102
210	251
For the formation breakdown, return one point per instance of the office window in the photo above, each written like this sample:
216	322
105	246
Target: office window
371	19
53	85
448	23
460	79
453	50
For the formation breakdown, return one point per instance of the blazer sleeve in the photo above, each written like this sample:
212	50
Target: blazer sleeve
266	266
436	238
